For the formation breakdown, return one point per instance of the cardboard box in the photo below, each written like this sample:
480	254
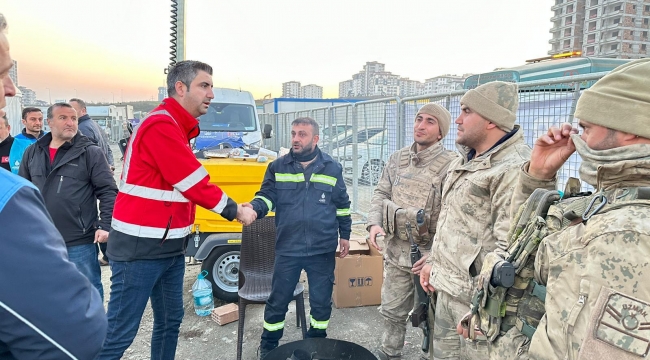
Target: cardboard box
358	246
225	314
358	276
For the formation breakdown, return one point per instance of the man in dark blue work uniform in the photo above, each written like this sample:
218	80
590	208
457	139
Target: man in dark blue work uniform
306	190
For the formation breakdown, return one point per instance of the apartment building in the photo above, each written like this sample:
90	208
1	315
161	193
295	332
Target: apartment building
311	91
29	96
363	83
443	83
162	93
374	80
291	89
13	72
601	28
409	87
346	88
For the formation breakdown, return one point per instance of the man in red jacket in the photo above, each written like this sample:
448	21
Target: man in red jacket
154	211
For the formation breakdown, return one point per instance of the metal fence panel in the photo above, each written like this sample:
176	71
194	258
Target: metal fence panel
362	136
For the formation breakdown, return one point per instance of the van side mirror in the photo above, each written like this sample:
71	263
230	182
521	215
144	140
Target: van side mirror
266	132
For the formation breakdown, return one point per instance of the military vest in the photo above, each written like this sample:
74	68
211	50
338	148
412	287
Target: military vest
415	189
496	309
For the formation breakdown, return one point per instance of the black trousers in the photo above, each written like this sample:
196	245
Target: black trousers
320	276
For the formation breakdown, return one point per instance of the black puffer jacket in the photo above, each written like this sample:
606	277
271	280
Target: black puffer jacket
71	186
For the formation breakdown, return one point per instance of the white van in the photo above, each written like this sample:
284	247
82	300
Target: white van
231	121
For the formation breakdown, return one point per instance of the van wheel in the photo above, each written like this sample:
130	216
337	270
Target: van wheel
222	266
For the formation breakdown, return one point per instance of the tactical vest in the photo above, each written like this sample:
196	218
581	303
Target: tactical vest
412	191
496	309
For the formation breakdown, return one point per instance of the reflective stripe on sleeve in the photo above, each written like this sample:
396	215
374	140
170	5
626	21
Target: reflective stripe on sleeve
268	202
222	204
342	212
191	180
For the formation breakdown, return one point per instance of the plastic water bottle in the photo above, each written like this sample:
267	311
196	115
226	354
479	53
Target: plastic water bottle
202	293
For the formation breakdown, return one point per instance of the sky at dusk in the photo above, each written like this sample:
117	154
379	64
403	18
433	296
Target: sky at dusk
105	50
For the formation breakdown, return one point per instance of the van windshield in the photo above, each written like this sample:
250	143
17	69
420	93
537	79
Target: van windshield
228	117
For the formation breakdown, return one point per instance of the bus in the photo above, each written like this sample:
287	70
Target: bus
546	70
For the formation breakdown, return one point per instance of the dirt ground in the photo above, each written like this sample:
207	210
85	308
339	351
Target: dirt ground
201	338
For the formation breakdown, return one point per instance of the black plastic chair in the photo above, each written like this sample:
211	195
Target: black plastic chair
256	263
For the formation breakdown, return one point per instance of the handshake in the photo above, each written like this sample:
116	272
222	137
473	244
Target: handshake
245	214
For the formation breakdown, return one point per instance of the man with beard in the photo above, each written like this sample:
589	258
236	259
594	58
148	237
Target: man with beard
411	181
33	130
475	215
306	190
594	270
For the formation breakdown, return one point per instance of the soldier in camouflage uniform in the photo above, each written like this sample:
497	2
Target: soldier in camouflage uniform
475	215
597	296
412	180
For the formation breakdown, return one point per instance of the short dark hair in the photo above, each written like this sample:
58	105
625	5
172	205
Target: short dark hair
4	119
50	110
307	121
185	72
79	101
28	110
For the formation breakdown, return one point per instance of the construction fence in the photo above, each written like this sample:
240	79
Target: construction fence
362	135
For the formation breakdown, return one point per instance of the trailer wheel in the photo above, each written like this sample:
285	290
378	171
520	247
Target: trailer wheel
222	266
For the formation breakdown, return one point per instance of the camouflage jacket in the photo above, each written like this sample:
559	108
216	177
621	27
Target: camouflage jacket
598	298
396	250
475	215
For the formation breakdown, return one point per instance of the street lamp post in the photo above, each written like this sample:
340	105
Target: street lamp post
49	95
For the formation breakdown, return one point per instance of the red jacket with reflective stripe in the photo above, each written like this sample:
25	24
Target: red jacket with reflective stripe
161	181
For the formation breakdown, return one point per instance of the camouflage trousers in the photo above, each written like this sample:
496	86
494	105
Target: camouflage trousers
513	345
397	294
447	344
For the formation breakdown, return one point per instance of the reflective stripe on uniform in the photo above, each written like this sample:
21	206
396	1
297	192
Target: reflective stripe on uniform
274	327
222	204
322	325
151	193
268	202
127	159
325	179
191	180
280	177
342	212
148	231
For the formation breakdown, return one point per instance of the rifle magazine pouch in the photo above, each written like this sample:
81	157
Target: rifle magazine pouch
492	305
390	210
402	216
